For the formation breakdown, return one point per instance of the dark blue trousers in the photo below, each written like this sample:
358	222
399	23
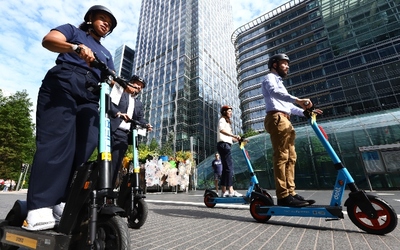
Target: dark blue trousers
67	127
119	147
224	150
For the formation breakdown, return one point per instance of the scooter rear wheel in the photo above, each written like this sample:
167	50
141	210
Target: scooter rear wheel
253	206
385	223
207	198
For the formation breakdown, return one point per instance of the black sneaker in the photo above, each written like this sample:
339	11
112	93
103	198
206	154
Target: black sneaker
301	198
289	201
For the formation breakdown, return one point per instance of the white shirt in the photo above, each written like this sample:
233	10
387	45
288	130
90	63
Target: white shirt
131	106
223	125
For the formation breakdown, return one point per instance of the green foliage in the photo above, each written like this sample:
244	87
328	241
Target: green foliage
146	152
94	155
167	147
249	132
182	156
154	145
17	142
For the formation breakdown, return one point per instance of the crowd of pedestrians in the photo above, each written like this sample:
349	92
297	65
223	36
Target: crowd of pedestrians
7	185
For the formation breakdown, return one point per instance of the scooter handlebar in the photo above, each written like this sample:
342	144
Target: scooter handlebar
308	112
137	123
106	72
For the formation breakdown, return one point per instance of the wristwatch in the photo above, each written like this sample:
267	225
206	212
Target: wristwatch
76	48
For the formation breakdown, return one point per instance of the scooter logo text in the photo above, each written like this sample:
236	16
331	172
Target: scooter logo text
336	193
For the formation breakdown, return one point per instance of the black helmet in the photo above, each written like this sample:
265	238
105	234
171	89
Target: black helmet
224	109
95	8
135	78
276	58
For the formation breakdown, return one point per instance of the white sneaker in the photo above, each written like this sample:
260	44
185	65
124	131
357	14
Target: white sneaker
39	219
58	211
226	194
235	194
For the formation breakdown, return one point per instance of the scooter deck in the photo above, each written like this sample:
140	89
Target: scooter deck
239	200
43	240
308	211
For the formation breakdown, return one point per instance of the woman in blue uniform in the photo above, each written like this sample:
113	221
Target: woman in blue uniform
67	115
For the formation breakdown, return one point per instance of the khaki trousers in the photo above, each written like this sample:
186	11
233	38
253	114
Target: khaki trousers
282	136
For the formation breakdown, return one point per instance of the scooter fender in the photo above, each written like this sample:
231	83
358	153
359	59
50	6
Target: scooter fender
111	210
257	195
362	200
17	214
208	191
139	196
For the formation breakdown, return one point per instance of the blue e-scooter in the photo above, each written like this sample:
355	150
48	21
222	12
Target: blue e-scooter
211	198
368	212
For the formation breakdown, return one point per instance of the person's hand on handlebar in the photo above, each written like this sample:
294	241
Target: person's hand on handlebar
149	127
124	116
236	137
86	54
306	104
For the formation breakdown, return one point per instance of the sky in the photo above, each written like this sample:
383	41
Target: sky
23	24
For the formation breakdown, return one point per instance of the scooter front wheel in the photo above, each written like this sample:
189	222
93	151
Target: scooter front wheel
253	209
138	216
385	223
4	246
111	233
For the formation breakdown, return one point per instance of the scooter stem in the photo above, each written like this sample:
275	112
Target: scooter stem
104	160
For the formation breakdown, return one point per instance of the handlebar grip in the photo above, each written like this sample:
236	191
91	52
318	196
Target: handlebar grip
106	72
138	123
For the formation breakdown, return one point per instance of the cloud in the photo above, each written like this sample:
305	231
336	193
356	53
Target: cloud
23	60
246	10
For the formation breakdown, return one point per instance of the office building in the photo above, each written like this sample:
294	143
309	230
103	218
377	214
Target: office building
344	56
123	61
185	54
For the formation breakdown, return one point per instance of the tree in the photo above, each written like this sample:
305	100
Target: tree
17	142
167	147
154	145
250	132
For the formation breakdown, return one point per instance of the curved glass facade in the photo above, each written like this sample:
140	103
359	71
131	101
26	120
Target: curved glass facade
344	56
314	168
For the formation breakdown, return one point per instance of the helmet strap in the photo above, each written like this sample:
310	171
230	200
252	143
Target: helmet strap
92	30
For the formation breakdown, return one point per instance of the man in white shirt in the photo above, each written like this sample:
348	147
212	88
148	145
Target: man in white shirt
129	107
279	106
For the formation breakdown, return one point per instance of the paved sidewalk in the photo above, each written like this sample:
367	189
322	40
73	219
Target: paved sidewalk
182	221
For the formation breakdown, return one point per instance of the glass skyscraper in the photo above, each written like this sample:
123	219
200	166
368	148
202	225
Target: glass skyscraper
184	52
123	61
344	56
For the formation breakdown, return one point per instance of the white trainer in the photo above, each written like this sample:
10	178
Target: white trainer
58	211
39	219
226	194
235	194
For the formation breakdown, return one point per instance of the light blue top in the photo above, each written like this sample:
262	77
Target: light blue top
276	96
